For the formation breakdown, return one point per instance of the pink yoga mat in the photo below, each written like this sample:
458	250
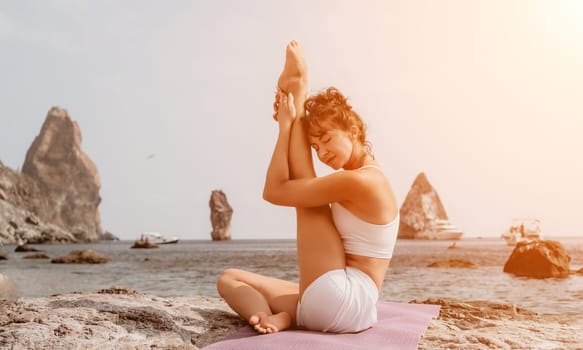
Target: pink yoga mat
399	327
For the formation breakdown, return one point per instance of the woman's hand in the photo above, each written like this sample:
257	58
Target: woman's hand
286	112
276	103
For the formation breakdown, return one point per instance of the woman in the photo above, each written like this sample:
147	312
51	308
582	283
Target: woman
347	221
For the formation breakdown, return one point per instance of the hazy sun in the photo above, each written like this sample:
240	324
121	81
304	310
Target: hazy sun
564	18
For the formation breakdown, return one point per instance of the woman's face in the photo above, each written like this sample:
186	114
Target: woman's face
333	147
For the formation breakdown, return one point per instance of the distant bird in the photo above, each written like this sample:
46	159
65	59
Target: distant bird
151	156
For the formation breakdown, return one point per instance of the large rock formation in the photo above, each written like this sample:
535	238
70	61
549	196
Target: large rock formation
421	208
56	196
66	176
539	259
221	213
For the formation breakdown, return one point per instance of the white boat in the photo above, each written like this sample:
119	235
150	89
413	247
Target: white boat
157	238
522	230
443	229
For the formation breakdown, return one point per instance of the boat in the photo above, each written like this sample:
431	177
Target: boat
157	238
522	230
443	229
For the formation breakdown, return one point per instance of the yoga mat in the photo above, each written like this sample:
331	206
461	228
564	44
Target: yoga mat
399	327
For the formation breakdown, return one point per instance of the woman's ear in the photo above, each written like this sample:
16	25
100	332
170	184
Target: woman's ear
354	133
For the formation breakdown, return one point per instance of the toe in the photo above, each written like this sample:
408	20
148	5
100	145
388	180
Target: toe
254	320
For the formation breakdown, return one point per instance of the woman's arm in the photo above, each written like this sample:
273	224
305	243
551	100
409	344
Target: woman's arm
278	170
346	185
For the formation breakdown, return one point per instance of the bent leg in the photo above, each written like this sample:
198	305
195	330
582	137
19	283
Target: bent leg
319	247
267	303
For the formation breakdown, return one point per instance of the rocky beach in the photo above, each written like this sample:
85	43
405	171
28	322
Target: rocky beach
122	318
146	147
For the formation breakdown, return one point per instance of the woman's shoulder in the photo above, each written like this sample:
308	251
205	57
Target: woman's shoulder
368	177
371	166
370	172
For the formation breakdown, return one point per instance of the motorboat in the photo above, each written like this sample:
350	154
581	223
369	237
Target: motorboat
443	229
522	230
158	238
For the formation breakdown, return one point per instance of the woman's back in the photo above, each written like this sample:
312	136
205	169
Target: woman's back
368	236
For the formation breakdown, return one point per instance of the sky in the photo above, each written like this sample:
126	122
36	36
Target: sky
174	100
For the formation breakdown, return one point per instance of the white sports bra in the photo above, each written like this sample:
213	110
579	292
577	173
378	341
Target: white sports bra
363	238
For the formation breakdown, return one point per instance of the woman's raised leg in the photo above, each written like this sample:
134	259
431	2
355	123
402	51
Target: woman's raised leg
319	247
269	304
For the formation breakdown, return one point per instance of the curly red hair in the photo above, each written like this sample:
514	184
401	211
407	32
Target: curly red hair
331	107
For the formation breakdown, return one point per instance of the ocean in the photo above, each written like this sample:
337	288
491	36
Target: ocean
192	267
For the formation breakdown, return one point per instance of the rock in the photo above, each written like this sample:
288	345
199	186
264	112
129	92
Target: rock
25	248
14	228
108	236
420	209
49	234
221	213
122	318
31	219
20	190
539	259
118	290
456	263
144	244
55	198
21	210
3	256
483	325
115	318
580	271
87	256
36	256
66	176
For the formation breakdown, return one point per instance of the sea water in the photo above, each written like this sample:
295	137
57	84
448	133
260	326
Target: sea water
192	267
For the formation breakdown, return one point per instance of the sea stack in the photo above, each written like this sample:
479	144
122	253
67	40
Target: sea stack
221	214
66	176
421	211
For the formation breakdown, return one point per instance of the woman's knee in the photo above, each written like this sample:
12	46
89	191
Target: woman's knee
226	279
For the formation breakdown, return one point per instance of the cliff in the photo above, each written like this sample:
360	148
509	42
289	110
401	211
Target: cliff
56	196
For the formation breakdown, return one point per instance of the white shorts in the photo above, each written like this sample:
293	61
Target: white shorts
339	301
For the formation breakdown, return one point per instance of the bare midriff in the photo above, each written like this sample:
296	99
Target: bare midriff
375	268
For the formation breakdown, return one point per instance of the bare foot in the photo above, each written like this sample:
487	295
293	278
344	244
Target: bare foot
264	323
295	67
294	77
